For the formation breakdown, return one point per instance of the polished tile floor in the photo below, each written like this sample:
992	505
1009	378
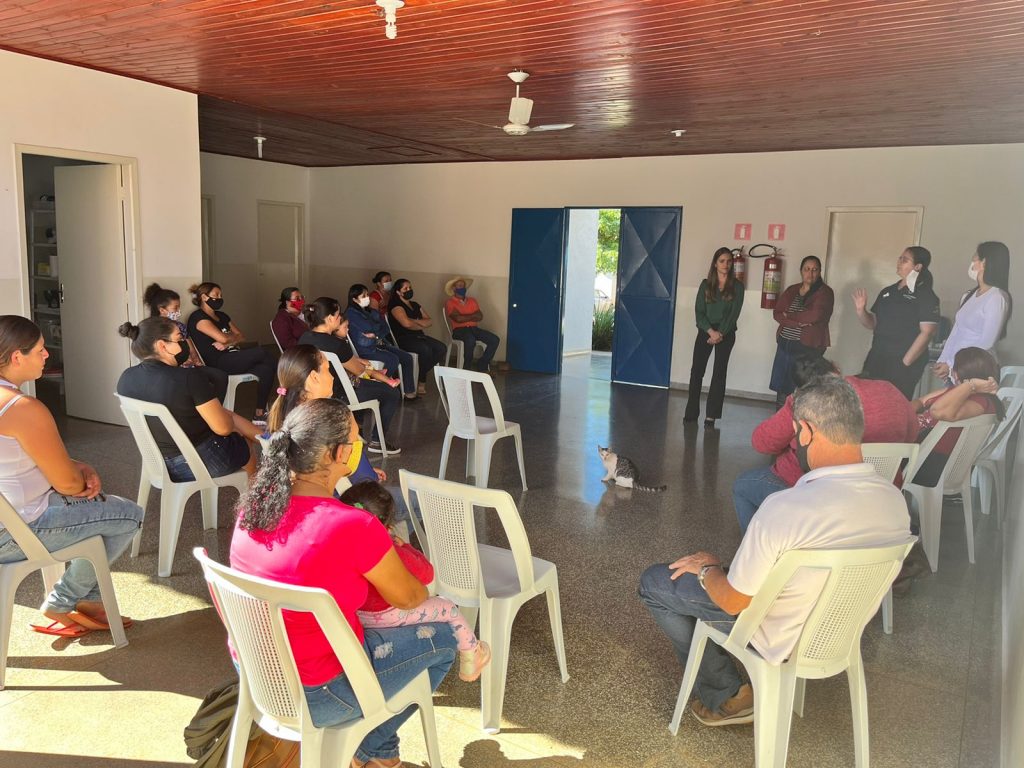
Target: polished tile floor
933	686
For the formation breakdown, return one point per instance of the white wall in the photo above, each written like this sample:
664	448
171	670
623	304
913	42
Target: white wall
236	186
53	105
433	220
580	268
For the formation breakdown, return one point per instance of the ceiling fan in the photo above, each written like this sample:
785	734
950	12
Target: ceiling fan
519	113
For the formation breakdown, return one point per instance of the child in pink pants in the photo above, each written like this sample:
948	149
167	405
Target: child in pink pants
376	612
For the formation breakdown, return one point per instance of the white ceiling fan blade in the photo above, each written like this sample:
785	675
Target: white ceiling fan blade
474	122
519	111
552	127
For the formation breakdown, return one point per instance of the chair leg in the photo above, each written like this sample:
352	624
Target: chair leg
787	685
887	612
208	497
555	617
238	735
999	480
51	575
518	436
968	499
766	681
445	448
982	477
172	509
142	500
930	514
107	594
799	694
697	644
484	449
471	458
496	630
380	426
859	705
428	723
8	586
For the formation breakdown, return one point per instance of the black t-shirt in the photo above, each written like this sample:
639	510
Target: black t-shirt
899	313
413	312
204	343
327	342
180	389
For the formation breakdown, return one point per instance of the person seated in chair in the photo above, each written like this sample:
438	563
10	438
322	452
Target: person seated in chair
464	315
288	324
840	502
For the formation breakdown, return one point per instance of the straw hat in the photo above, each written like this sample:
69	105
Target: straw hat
449	287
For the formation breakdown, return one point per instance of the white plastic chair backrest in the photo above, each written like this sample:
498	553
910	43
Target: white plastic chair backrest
1013	399
352	345
1011	376
857	581
887	458
973	433
250	608
447	322
276	340
387	322
342	375
136	411
23	536
456	385
446	509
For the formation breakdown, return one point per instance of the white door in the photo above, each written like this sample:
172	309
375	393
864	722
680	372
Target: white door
90	237
279	252
863	246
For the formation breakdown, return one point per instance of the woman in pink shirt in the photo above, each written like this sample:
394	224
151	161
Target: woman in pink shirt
291	529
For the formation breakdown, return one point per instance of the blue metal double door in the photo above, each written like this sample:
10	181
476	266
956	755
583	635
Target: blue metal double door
645	302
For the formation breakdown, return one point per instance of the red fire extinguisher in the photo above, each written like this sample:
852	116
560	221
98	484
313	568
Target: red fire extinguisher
739	264
771	284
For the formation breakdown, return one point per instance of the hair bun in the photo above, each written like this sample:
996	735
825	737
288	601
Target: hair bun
129	331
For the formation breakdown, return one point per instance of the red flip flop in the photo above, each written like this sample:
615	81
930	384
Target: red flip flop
93	624
61	630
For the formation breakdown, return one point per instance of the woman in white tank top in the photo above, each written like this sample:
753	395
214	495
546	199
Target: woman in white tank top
60	499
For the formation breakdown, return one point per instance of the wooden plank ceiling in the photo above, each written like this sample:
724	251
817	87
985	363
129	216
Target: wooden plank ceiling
323	84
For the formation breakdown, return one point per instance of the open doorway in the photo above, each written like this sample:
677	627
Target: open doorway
591	284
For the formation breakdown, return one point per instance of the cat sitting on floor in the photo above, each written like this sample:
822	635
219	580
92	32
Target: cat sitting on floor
623	472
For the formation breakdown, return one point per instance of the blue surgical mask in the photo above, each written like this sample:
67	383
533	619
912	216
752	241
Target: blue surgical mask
460	292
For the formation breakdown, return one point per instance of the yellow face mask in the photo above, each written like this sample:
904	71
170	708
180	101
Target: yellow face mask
355	457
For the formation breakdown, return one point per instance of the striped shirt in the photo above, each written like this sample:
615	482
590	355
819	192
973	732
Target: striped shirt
793	334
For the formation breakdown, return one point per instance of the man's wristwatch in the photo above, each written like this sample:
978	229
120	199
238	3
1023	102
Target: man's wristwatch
703	572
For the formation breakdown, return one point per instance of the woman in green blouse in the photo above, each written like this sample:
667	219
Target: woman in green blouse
719	301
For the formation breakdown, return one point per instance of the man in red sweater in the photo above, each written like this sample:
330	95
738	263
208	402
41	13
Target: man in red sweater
888	418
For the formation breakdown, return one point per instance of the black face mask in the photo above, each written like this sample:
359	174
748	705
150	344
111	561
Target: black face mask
215	304
407	294
801	450
181	356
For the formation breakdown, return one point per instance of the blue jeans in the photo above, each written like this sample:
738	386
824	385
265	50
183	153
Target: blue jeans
67	521
397	655
750	490
393	357
222	455
676	606
469	336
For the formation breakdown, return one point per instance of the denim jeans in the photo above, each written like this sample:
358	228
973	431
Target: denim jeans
397	655
67	521
676	606
750	490
222	455
393	357
469	336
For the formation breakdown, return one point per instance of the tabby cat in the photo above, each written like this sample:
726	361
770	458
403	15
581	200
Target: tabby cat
623	471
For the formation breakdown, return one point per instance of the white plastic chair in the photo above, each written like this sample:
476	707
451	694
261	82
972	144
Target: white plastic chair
276	340
173	495
415	357
38	558
829	644
354	403
234	380
990	466
887	458
270	692
955	478
1011	376
455	344
479	577
480	432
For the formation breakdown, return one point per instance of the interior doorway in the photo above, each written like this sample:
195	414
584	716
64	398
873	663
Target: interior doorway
80	234
279	257
591	284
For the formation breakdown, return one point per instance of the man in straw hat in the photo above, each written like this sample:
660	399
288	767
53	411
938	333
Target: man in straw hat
464	315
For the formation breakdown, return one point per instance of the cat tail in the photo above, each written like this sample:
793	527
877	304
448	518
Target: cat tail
650	488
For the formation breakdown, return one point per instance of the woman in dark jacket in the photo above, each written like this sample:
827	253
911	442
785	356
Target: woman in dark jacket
369	333
802	312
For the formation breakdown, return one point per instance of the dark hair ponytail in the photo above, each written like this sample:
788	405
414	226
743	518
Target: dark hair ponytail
147	333
157	298
318	310
922	256
198	290
314	429
293	368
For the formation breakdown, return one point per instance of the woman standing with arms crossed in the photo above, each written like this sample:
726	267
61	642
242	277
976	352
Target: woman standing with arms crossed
719	301
904	317
802	312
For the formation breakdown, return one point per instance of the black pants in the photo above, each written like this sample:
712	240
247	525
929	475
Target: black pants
469	336
888	366
716	394
390	398
254	360
431	351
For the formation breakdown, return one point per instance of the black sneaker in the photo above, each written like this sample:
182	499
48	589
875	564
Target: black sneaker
375	447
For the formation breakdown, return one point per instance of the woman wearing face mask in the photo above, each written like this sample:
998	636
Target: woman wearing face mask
291	529
59	498
328	332
380	296
802	312
221	437
408	319
287	324
984	310
216	338
369	333
904	317
163	302
719	301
